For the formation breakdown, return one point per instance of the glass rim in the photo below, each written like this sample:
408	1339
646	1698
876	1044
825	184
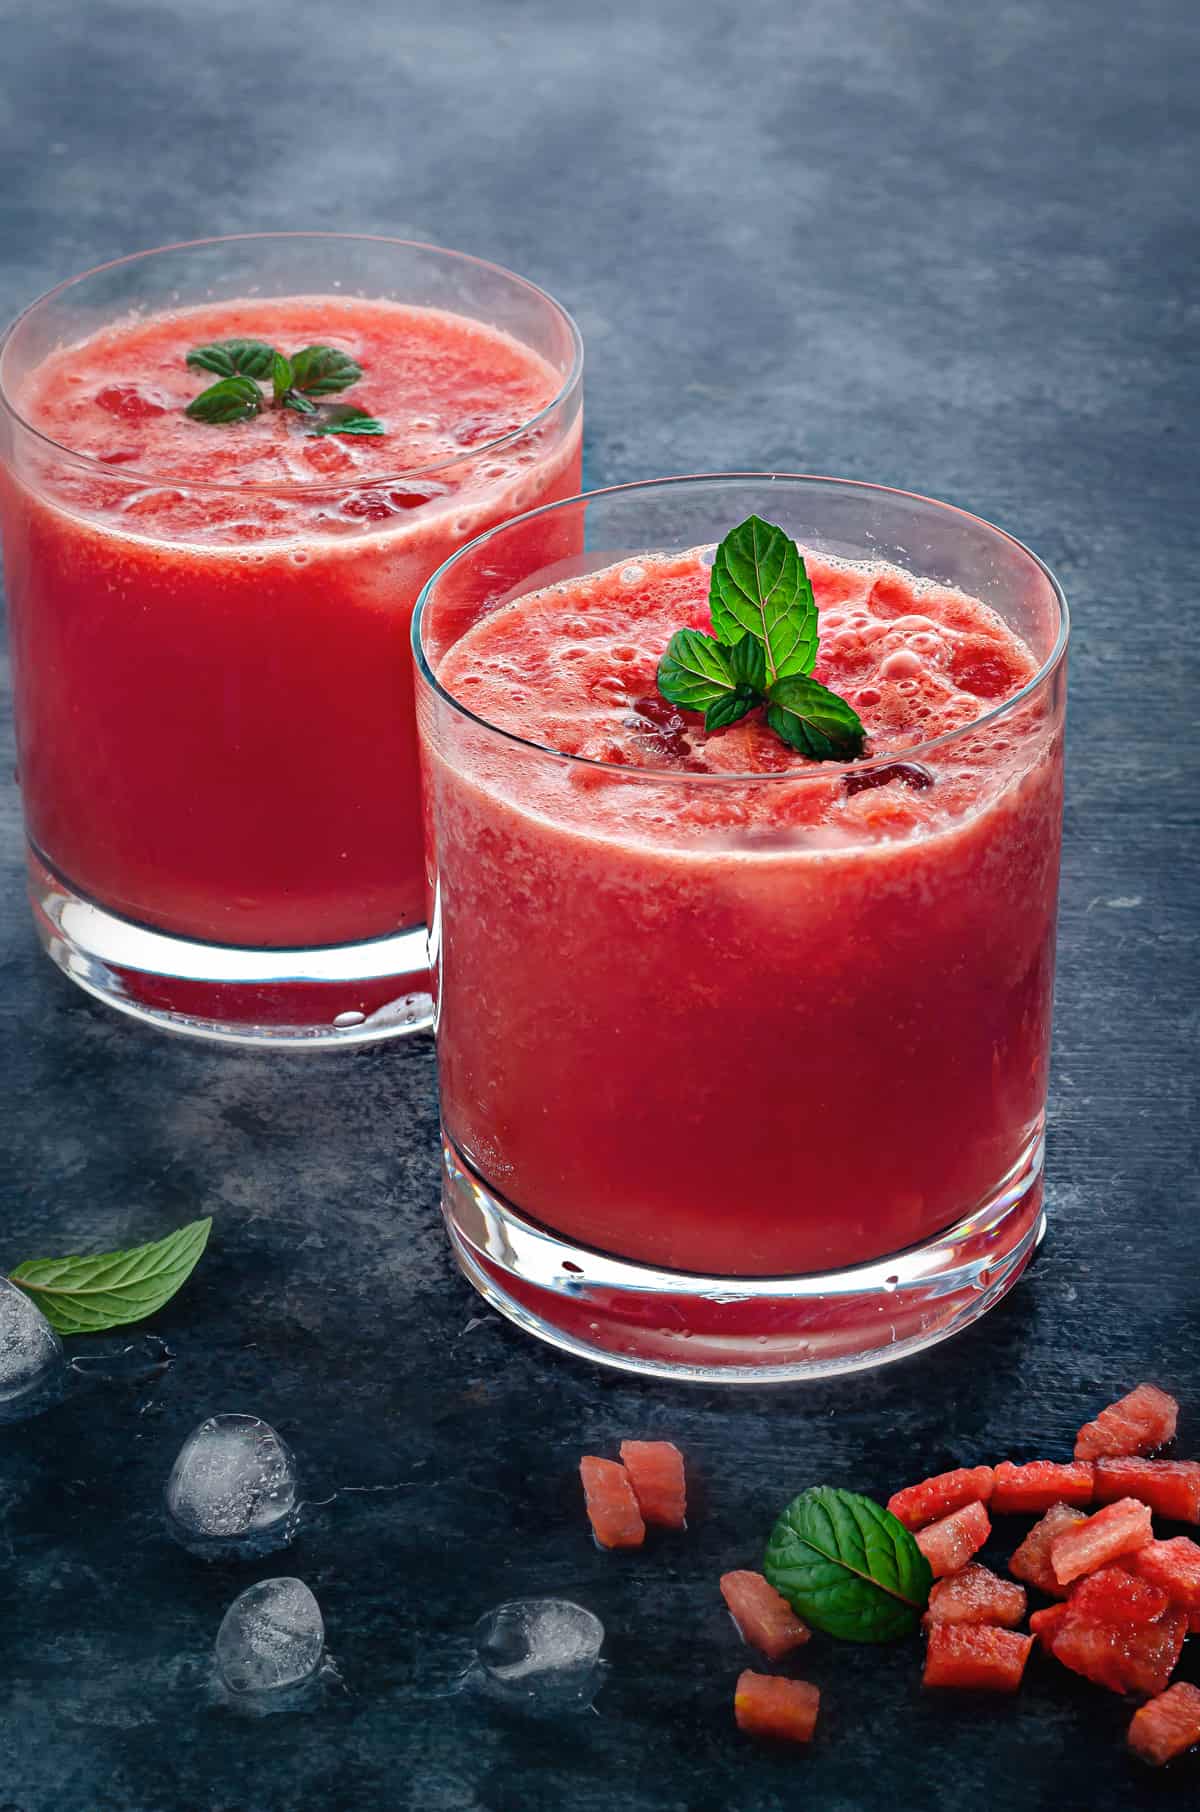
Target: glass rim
301	487
817	771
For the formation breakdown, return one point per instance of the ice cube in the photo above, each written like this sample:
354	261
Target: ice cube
271	1639
233	1489
532	1647
32	1366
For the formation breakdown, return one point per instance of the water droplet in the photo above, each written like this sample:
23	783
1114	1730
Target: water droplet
349	1019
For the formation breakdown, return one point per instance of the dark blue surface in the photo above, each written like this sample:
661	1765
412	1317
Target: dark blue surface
942	246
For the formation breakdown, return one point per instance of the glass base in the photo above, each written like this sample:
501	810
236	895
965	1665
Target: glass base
296	999
742	1330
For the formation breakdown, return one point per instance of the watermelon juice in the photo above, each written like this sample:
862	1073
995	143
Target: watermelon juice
210	622
706	1005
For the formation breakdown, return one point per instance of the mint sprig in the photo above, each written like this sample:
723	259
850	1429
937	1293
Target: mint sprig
312	372
848	1566
110	1289
765	616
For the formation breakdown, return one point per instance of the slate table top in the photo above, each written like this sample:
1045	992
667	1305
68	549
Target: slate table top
942	246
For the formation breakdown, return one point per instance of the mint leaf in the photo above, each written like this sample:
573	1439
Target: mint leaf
348	420
727	710
748	663
301	404
233	399
87	1295
281	377
322	370
760	587
848	1566
234	358
694	672
811	718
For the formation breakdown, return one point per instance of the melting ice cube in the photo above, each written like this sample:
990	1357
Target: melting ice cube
233	1489
271	1639
540	1647
32	1365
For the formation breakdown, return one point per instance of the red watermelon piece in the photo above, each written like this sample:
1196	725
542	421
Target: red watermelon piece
656	1473
976	1595
1046	1624
1028	1490
1125	1657
1170	1487
1138	1423
975	1655
1168	1725
1115	1595
949	1544
611	1505
1175	1566
764	1617
1031	1562
767	1705
938	1496
1117	1529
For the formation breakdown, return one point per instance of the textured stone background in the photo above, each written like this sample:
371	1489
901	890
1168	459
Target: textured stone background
949	247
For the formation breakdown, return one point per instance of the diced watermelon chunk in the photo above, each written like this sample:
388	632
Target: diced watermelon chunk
1046	1624
764	1617
1031	1562
1175	1566
1170	1487
1117	1529
1168	1725
964	1654
767	1705
949	1544
611	1505
976	1595
1115	1595
656	1473
1028	1490
1138	1423
1125	1657
919	1504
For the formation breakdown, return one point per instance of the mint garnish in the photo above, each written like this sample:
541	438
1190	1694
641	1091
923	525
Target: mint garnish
848	1566
87	1295
314	371
765	617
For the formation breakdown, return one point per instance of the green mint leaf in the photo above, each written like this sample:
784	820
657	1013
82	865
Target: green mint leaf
348	420
233	399
694	672
234	358
87	1295
281	377
848	1566
728	709
322	370
301	404
748	663
760	587
811	718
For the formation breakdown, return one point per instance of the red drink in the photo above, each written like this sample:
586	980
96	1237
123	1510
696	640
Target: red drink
210	623
715	1008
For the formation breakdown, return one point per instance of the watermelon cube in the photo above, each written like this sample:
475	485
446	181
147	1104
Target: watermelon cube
1028	1490
1138	1423
1170	1487
1175	1566
611	1505
949	1544
1117	1529
656	1473
1046	1624
1168	1725
1031	1562
767	1705
919	1504
1115	1595
976	1595
1125	1657
764	1617
964	1654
